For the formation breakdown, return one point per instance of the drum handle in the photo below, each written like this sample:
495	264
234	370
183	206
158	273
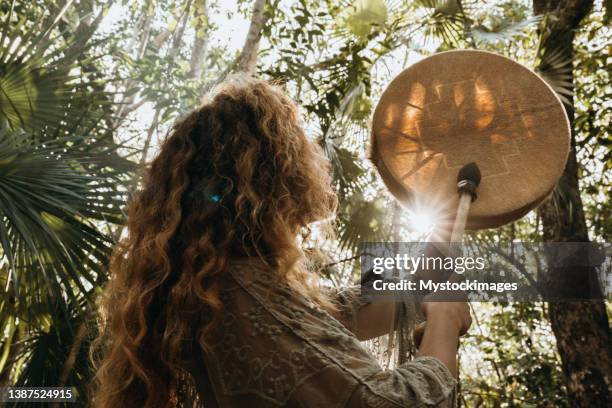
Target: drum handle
463	209
468	180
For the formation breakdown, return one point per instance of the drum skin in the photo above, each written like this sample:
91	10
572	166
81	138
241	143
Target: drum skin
466	106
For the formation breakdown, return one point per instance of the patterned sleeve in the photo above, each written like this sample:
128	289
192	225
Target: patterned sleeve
348	301
423	382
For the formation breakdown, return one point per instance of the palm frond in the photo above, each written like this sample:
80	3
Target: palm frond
46	83
362	220
503	30
554	62
445	19
50	198
42	356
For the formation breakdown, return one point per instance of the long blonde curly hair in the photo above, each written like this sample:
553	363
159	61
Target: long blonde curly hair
237	177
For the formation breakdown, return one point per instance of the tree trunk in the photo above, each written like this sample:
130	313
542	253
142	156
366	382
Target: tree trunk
581	327
180	31
247	61
200	43
138	45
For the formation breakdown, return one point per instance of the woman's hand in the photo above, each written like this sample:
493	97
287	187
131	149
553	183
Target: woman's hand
455	314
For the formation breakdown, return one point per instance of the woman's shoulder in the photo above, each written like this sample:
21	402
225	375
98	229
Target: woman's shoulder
249	273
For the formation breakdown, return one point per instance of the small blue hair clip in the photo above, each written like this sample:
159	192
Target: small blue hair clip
203	192
211	192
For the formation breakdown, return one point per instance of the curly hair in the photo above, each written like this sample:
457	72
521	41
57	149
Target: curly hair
235	178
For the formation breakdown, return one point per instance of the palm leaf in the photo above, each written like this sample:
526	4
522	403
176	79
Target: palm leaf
43	86
362	220
554	62
445	19
49	198
42	355
503	30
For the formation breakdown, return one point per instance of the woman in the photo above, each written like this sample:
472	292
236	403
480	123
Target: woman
209	288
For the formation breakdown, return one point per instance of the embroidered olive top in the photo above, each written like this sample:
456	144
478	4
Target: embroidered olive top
275	348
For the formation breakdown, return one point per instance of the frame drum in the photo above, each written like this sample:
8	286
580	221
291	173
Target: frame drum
467	106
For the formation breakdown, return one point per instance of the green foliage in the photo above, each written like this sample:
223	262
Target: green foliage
46	349
362	16
52	195
593	122
60	178
508	361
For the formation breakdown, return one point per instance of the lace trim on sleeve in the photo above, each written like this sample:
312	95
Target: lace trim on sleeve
423	382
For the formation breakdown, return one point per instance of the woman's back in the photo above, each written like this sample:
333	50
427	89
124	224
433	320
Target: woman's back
275	348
